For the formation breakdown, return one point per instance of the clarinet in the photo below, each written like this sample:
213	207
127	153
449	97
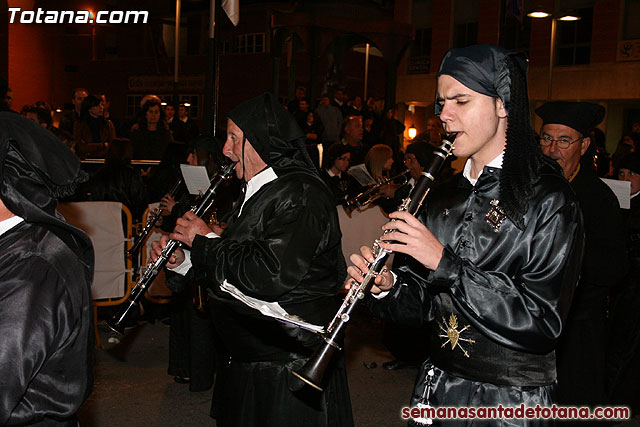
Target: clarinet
151	222
152	270
312	372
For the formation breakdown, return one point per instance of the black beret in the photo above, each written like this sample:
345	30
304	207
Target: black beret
631	161
581	116
422	150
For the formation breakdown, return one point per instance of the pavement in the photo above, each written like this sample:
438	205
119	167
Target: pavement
132	387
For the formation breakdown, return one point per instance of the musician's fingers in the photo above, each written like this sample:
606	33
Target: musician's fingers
403	215
355	273
164	239
396	247
367	253
176	236
181	222
359	262
397	225
395	236
155	250
189	216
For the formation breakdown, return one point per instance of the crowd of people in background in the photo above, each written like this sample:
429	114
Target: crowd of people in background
341	133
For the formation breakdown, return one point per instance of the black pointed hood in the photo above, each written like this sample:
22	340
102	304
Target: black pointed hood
273	132
36	169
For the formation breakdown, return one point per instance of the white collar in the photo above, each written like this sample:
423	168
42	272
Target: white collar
9	223
331	174
262	178
495	163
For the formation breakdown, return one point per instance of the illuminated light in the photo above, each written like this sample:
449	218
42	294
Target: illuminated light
569	18
186	104
58	110
164	104
538	14
412	132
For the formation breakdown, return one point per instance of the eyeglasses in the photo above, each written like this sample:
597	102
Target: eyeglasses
344	158
563	143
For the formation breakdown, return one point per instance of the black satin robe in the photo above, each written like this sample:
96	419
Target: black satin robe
285	247
46	334
512	287
583	344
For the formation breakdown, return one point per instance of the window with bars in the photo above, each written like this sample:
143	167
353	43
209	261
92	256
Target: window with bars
573	39
465	34
420	58
515	33
244	44
631	29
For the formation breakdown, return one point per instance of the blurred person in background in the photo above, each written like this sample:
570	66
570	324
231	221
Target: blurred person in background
92	133
150	135
67	123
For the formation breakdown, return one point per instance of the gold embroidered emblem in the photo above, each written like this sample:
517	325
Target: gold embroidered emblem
453	335
496	216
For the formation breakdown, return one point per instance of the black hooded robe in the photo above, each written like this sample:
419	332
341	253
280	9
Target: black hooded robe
283	247
46	269
46	328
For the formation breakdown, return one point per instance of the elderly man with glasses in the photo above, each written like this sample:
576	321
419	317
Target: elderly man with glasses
581	354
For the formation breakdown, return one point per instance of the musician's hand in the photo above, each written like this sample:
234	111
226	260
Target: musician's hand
156	250
167	203
218	227
414	239
357	271
188	227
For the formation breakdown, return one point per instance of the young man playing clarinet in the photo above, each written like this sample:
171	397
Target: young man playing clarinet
496	250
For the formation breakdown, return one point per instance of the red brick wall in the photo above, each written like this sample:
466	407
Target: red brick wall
442	30
606	27
30	63
489	22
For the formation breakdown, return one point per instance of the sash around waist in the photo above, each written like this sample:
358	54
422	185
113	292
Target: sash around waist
476	357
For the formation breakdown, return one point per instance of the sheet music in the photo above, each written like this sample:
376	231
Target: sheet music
270	309
362	175
622	190
196	179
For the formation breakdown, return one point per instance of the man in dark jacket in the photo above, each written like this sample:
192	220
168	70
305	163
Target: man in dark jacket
564	137
46	271
281	245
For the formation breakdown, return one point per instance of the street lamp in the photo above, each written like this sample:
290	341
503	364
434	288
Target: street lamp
542	13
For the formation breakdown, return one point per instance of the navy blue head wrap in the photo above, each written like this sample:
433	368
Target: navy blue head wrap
483	69
496	72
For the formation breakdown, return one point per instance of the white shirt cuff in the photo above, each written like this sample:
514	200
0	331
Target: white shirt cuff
186	265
